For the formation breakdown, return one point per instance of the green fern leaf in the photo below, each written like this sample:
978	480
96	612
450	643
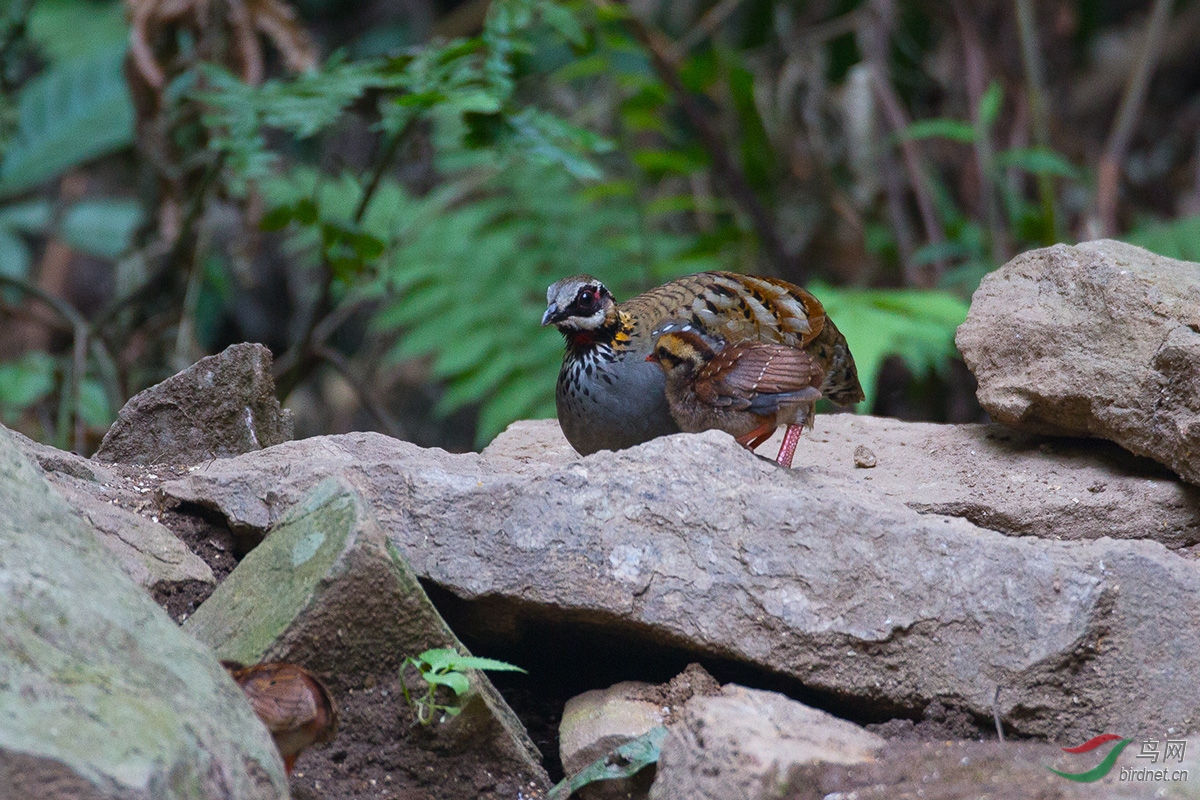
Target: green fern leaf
71	113
1176	239
877	323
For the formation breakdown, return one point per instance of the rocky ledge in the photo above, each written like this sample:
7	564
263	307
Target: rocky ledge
871	623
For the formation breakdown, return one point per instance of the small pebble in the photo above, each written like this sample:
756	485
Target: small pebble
864	457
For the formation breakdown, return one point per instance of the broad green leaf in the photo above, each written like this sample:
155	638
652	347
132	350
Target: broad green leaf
71	113
476	662
676	162
306	211
938	129
564	22
67	29
103	228
26	381
474	386
93	404
915	324
1175	239
1038	161
454	681
32	216
439	658
590	66
465	354
989	105
510	402
625	761
277	218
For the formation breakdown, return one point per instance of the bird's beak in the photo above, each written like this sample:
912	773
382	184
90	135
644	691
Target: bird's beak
652	357
550	314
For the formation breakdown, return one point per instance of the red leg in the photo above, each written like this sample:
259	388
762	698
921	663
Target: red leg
788	449
767	433
756	437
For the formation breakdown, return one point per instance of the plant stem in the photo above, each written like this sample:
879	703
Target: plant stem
68	408
874	43
1035	82
985	156
1109	177
295	365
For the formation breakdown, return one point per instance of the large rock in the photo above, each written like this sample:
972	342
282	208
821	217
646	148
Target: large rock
1100	339
601	720
740	744
948	770
149	553
101	695
220	406
690	540
326	590
1017	483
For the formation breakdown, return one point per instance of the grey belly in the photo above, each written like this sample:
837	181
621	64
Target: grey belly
612	416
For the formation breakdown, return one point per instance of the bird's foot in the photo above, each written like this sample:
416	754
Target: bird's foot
791	438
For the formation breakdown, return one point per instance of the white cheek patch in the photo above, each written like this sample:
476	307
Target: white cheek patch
589	323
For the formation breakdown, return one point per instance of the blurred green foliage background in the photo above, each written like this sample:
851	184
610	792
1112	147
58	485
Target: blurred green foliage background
382	192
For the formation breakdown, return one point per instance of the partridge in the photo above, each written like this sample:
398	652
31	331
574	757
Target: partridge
609	397
747	390
296	707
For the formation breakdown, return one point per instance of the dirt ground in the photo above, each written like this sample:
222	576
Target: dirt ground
382	754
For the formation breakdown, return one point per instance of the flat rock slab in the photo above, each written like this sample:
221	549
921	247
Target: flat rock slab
695	542
101	695
999	478
220	406
997	771
740	744
1100	339
326	590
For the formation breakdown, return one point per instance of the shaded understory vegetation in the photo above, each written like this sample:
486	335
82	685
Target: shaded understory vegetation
381	192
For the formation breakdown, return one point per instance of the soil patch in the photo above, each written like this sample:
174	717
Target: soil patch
382	754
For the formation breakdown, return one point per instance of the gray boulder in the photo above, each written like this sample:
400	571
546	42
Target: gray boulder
1017	483
220	406
1100	339
690	540
102	696
149	553
326	590
954	770
740	744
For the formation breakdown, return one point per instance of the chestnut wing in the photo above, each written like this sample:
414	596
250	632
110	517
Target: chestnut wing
758	377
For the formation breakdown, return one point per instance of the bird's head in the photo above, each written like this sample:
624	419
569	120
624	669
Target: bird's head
578	304
680	349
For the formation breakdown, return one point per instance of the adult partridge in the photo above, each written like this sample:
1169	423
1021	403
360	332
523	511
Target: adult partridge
608	397
747	390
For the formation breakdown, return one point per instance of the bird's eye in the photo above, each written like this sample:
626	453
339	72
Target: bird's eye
586	299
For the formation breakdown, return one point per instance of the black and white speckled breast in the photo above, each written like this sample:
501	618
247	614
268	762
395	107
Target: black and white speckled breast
609	400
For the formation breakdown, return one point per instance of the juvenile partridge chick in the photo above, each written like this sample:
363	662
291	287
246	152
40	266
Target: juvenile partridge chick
747	390
609	398
296	707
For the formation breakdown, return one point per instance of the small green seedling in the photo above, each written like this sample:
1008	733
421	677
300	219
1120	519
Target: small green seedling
444	666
